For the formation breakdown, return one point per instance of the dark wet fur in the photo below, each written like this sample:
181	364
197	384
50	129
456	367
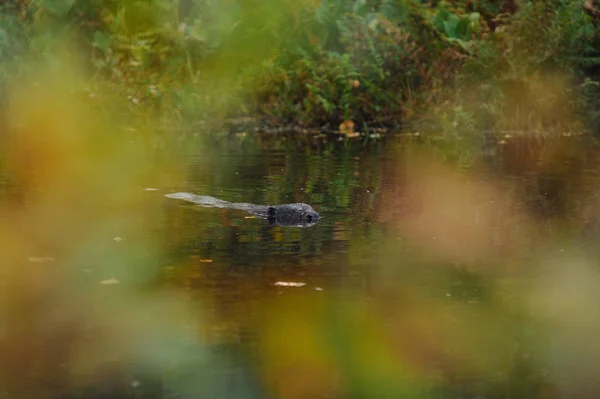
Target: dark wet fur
293	215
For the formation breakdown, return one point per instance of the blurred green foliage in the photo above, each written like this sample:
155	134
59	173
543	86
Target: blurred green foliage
420	282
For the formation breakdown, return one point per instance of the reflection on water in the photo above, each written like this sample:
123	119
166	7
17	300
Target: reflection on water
421	279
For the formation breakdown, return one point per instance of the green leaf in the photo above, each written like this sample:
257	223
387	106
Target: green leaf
463	29
373	21
59	8
101	40
474	17
359	7
450	28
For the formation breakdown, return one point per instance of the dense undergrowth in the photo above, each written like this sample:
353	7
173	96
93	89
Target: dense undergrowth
464	66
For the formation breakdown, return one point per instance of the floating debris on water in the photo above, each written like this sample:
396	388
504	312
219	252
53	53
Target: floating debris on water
289	284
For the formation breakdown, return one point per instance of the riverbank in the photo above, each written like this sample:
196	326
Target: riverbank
359	68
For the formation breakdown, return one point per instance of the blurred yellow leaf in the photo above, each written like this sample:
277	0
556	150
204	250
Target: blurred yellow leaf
347	127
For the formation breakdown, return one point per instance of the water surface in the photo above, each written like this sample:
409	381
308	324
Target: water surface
425	277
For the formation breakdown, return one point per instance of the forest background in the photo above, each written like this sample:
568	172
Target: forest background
455	68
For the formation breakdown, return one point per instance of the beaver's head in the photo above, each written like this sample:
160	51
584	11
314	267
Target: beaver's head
298	215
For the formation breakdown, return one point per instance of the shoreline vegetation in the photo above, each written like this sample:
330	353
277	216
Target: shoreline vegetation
354	68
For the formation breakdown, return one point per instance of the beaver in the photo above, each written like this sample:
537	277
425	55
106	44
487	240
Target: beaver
291	215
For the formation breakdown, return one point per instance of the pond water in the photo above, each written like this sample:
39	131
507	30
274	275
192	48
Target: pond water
427	276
